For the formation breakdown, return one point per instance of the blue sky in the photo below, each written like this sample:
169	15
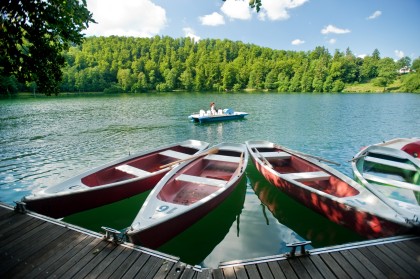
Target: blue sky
391	26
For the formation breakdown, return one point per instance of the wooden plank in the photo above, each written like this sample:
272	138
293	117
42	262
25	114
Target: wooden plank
240	272
265	271
17	234
218	273
5	213
22	241
175	271
287	270
347	266
105	263
205	274
10	217
359	265
390	163
138	265
229	272
310	267
252	271
188	273
276	270
155	270
61	257
60	267
307	176
201	180
322	267
87	259
400	258
299	269
410	259
125	261
48	254
374	263
94	260
334	266
396	269
41	239
410	250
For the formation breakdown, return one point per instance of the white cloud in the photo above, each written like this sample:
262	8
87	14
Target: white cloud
335	30
375	15
399	53
297	42
190	33
236	9
278	9
332	41
213	19
138	18
362	55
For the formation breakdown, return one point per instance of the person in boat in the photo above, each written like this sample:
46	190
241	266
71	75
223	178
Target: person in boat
213	108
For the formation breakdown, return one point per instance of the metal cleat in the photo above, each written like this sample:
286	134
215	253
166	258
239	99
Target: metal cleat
112	235
20	207
294	245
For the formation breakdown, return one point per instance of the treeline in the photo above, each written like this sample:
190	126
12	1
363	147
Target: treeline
126	64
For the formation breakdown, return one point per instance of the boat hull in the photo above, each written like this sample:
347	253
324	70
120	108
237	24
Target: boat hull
155	236
188	193
391	170
217	118
364	223
64	205
111	182
350	208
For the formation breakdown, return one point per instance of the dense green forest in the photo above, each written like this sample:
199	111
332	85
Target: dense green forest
127	64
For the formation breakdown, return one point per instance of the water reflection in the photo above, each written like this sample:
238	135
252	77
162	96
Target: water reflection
298	218
197	242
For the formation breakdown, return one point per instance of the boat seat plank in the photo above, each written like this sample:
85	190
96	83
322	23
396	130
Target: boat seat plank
203	180
387	181
175	154
277	155
132	170
390	163
307	176
224	158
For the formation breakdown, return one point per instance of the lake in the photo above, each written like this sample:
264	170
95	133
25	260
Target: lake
46	140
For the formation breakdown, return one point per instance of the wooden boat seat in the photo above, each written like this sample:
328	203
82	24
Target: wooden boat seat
277	155
394	182
224	158
175	154
132	170
390	163
308	176
201	180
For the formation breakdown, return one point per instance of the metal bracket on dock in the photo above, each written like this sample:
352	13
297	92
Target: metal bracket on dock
20	207
113	235
294	245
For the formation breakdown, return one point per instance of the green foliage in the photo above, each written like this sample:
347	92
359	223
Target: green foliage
166	64
33	36
416	65
412	82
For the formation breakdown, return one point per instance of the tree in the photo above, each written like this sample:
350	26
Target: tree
416	64
387	72
404	62
34	35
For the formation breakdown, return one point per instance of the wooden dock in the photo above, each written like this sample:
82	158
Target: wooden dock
34	246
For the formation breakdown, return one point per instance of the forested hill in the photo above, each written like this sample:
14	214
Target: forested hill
126	64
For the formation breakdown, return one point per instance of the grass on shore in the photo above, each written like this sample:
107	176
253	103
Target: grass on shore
370	87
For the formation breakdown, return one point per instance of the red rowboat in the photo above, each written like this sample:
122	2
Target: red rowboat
111	182
187	193
325	190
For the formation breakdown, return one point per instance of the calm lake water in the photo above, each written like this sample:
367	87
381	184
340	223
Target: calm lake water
46	140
